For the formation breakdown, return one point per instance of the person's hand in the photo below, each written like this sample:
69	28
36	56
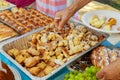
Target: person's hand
62	17
110	72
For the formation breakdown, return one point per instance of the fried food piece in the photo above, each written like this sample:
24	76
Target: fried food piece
35	70
41	65
31	61
20	58
33	51
48	69
13	52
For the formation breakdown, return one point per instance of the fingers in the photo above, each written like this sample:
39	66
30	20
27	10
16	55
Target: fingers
56	22
100	74
62	22
57	19
102	78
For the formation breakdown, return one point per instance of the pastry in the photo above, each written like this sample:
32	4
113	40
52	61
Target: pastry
24	20
103	56
6	32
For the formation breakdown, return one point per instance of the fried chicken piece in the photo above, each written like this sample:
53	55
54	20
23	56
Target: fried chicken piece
25	53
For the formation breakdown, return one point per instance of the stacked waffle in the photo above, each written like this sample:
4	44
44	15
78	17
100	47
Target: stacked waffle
23	20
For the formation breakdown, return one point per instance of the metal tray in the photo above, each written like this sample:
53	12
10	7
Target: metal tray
11	26
6	38
22	43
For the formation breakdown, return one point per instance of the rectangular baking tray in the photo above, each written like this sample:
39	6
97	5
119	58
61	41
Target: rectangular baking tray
12	25
22	43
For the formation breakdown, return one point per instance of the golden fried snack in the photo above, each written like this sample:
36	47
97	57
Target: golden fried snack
20	58
31	61
13	52
41	74
48	69
34	70
33	51
42	65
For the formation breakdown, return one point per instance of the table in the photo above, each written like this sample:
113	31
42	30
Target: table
113	40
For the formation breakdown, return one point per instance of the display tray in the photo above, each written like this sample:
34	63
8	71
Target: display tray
6	32
24	20
23	43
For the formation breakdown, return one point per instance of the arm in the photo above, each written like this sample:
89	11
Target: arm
110	72
68	12
78	5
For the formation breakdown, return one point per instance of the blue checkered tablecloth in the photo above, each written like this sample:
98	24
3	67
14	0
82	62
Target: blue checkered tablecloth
111	41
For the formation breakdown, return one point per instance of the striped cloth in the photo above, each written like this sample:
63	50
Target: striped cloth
50	7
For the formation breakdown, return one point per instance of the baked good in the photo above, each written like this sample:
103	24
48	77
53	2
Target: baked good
97	22
24	20
5	72
103	56
102	23
6	32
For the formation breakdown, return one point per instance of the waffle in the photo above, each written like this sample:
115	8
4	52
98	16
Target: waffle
50	49
24	20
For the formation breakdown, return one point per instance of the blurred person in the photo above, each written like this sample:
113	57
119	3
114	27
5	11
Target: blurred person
64	15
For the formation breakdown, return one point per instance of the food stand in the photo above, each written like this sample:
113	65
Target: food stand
28	38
